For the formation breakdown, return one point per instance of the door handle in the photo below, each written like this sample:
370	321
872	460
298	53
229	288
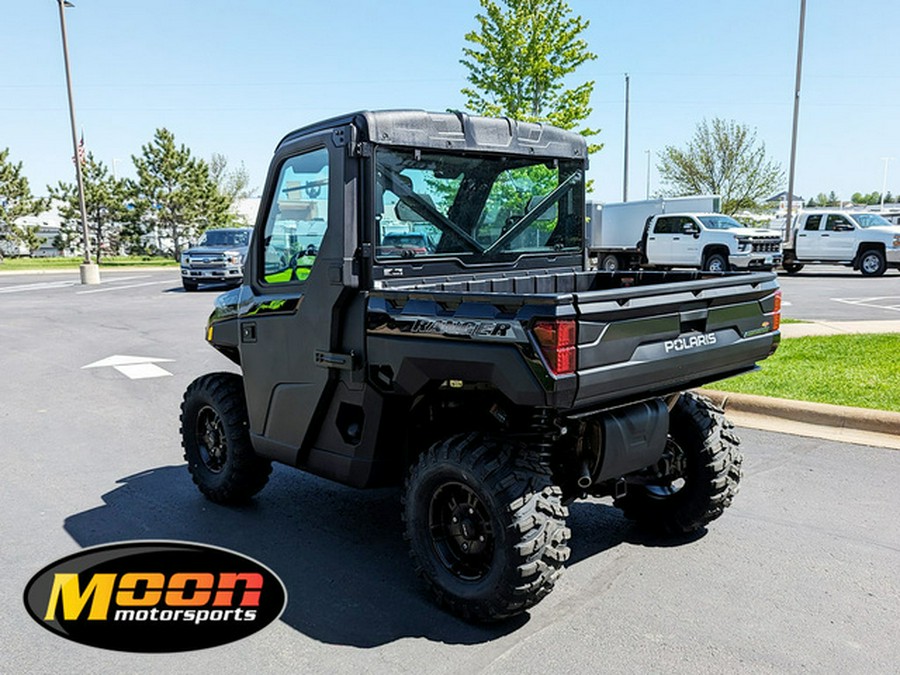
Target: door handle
825	235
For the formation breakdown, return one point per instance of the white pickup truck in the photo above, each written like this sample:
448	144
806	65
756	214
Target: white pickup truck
677	232
710	241
861	240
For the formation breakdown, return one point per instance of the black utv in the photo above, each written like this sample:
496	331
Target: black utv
482	364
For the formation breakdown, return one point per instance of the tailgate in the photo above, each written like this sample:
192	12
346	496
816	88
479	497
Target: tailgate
662	338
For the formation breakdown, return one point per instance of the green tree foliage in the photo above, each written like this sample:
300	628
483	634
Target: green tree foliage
106	207
869	199
520	59
175	193
233	183
17	201
723	158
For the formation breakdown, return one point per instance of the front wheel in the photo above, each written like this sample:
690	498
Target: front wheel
716	262
485	525
792	267
697	477
872	263
216	440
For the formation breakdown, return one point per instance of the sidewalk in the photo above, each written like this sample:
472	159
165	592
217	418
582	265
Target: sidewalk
861	426
792	330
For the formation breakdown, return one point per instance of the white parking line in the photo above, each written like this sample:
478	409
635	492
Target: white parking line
871	302
121	288
44	285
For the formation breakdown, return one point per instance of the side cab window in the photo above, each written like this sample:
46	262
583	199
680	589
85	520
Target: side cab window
666	225
838	223
297	219
812	222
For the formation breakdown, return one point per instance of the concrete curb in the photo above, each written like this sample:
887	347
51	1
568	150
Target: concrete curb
818	414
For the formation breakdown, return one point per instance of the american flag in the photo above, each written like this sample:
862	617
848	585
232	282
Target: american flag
80	150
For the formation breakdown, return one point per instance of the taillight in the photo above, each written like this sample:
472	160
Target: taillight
776	316
556	338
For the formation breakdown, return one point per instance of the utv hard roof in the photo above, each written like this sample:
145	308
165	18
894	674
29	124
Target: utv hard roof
454	131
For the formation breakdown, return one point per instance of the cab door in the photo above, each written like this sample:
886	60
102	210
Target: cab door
809	245
839	238
662	239
289	325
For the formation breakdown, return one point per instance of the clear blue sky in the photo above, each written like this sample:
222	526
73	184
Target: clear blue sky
234	77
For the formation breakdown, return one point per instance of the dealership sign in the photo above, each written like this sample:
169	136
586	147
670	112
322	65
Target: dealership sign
155	596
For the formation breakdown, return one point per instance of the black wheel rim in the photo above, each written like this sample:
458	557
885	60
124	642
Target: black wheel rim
461	531
211	439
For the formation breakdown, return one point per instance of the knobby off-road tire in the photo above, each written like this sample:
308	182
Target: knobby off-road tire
216	440
702	443
485	525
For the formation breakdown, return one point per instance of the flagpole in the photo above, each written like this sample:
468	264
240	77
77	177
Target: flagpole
90	273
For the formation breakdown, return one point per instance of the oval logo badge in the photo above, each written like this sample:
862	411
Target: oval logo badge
155	596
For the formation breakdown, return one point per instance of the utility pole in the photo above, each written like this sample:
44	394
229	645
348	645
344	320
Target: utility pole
90	273
625	179
790	195
648	174
884	183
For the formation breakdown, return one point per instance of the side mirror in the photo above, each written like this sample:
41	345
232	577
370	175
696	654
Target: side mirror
690	228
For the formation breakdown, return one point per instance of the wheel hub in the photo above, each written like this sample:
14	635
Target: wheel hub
461	531
211	439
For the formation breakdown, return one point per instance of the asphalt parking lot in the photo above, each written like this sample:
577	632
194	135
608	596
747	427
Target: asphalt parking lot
802	573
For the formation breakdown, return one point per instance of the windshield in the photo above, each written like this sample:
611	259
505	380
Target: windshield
222	238
869	220
476	208
719	222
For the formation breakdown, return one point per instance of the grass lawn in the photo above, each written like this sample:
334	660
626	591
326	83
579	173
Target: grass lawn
37	264
855	370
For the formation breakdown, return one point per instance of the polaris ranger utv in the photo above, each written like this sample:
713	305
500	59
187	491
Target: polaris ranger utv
490	370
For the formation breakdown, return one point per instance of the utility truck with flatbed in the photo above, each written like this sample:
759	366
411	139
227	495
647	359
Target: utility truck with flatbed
489	372
672	232
862	240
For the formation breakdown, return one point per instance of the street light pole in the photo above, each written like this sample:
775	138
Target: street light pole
790	195
648	173
90	273
884	183
625	178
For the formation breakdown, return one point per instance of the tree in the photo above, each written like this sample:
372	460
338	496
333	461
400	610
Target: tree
234	183
520	59
723	158
105	201
175	192
17	201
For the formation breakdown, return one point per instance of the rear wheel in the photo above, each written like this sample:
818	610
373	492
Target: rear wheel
696	479
610	263
485	525
872	263
216	440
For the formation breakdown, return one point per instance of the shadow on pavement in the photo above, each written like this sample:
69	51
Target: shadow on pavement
339	551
